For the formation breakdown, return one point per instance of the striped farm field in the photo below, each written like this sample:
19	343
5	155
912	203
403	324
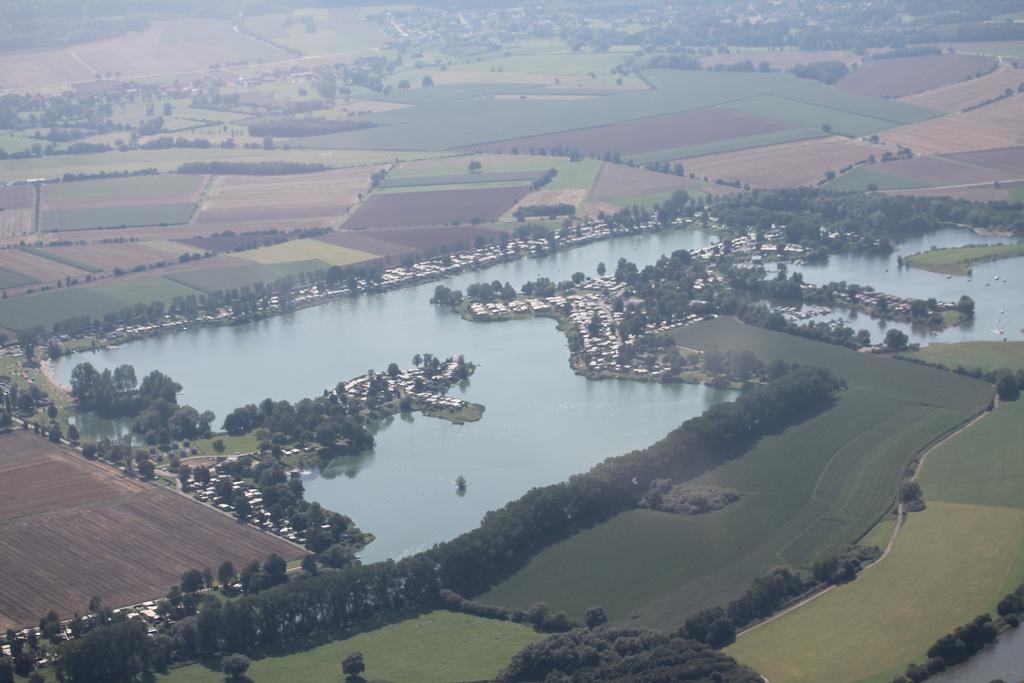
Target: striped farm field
73	516
951	562
806	491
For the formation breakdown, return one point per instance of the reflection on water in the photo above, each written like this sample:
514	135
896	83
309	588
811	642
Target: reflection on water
1003	660
999	305
542	423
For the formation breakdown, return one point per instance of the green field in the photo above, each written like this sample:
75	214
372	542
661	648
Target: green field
135	187
871	177
819	484
951	562
60	258
12	278
245	275
116	216
958	260
985	355
47	308
440	647
730	145
168	160
812	115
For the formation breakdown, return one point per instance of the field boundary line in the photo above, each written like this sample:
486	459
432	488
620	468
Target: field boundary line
900	515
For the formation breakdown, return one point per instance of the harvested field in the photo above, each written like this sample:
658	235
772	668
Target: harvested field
17	210
1009	159
615	181
373	241
548	198
974	193
42	269
123	255
992	126
306	250
313	199
919	172
959	96
71	529
221	243
683	129
17	222
434	208
795	163
908	75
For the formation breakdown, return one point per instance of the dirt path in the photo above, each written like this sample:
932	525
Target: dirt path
900	515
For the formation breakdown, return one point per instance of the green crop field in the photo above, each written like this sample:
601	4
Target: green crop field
47	308
61	258
951	562
958	260
137	187
812	115
306	250
116	216
985	355
871	177
440	647
819	484
893	111
167	160
11	278
730	145
244	275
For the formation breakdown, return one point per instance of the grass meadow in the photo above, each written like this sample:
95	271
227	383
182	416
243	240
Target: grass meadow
420	650
806	491
986	355
958	260
952	561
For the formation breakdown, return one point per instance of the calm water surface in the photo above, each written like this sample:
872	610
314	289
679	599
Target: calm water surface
542	423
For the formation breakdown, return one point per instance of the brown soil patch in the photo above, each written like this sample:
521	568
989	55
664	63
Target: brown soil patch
434	208
960	96
795	163
649	134
615	181
906	75
42	269
311	199
71	530
989	127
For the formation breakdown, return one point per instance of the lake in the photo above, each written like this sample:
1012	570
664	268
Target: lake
542	422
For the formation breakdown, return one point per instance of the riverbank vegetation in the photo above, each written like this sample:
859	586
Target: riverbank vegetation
807	491
960	260
286	617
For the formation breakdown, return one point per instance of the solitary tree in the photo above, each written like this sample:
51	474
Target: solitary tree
352	666
595	617
427	82
234	666
895	340
475	166
601	270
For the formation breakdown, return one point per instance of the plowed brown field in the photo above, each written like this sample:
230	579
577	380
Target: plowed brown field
71	530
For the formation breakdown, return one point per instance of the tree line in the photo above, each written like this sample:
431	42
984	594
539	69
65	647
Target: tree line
291	615
249	167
